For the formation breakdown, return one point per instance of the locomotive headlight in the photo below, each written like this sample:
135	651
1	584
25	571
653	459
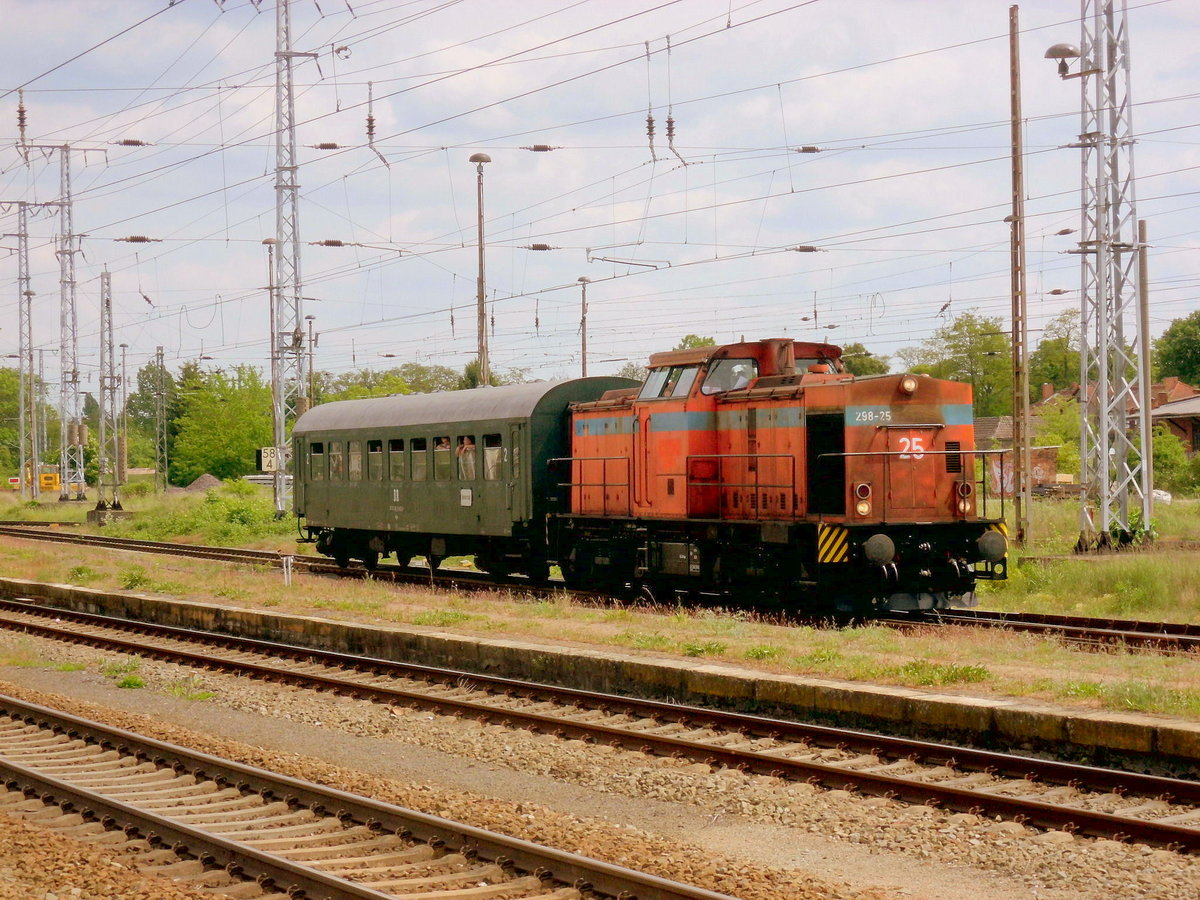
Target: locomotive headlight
908	384
863	507
964	506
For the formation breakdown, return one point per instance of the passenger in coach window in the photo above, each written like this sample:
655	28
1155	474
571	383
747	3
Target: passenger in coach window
466	458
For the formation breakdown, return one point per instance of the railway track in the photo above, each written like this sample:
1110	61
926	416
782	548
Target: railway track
1045	793
1161	637
1158	637
219	822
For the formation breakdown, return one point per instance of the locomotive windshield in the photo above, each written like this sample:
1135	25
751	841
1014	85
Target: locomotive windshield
729	375
670	381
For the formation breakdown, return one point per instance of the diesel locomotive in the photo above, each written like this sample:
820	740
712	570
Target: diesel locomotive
759	472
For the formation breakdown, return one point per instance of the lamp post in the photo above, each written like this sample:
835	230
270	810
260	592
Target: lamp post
485	373
312	381
584	281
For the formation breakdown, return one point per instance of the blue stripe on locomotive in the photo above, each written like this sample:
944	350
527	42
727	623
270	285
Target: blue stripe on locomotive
729	420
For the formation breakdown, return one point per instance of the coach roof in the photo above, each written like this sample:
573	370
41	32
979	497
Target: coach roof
513	401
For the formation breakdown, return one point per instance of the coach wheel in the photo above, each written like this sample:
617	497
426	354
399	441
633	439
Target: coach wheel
538	571
342	558
434	561
370	560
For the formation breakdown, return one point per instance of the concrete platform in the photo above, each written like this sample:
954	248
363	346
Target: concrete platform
999	723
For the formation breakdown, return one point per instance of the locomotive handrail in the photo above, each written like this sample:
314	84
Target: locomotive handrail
982	481
603	483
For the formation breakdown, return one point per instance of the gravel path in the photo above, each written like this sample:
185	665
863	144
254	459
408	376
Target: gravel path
750	836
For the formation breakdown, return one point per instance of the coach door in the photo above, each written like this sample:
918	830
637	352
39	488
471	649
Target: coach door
515	477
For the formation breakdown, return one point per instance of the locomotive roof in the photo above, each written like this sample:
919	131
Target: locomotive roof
512	401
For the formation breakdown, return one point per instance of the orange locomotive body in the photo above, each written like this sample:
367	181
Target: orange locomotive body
763	470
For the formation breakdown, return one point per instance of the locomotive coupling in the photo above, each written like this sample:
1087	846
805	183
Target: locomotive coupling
992	546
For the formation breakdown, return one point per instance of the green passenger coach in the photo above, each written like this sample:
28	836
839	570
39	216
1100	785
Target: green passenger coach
434	475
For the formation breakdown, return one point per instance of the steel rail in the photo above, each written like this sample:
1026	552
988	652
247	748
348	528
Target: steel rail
758	762
1160	637
1157	636
570	869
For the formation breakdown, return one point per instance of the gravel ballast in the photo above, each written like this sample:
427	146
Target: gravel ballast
750	836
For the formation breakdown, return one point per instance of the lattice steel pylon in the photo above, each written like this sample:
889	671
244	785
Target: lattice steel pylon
109	483
72	430
1117	502
289	390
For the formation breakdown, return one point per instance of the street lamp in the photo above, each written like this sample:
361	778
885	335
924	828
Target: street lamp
485	374
584	281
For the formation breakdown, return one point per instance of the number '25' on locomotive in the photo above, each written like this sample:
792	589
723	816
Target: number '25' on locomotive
760	471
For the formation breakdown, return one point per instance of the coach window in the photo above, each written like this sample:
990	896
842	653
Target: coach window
337	461
465	454
443	458
396	459
316	461
420	459
354	452
375	460
493	455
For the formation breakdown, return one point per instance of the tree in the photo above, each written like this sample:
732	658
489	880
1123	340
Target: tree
692	341
10	386
861	361
1056	359
634	370
1056	424
364	383
225	417
974	349
1177	352
470	377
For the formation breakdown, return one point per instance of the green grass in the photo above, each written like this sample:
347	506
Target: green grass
442	618
117	668
703	648
189	689
131	682
927	672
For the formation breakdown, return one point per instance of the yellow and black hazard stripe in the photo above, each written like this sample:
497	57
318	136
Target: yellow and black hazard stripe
833	544
1000	527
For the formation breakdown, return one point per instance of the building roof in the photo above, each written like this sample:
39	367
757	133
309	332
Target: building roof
992	431
1187	408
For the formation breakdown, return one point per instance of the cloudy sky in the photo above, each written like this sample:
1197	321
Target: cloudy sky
907	101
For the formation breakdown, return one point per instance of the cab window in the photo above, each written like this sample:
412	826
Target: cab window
675	381
729	375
